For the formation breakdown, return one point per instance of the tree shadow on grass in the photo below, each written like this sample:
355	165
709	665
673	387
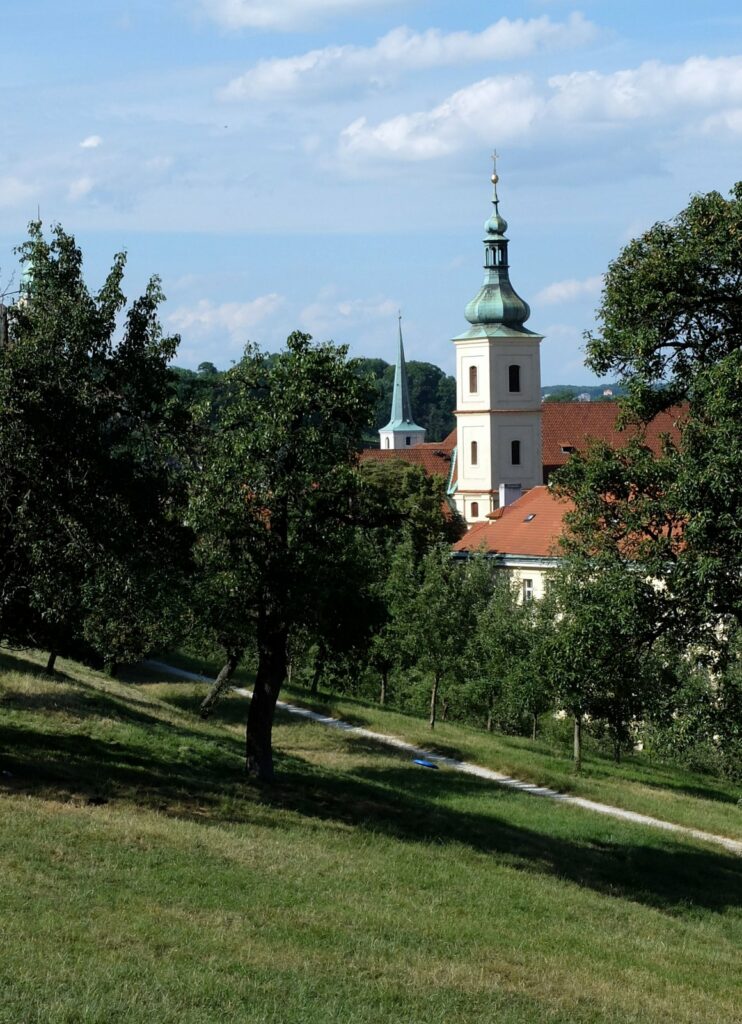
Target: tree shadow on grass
397	801
196	773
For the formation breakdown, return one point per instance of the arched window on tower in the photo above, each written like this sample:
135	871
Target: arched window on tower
474	453
514	377
386	442
473	384
474	510
515	453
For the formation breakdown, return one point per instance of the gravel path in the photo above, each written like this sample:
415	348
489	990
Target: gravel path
733	845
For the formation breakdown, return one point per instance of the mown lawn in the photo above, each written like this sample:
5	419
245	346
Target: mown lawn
144	880
637	784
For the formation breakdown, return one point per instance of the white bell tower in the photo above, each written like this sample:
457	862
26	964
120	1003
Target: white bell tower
498	388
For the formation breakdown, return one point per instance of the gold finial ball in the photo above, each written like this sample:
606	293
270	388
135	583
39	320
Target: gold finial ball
495	178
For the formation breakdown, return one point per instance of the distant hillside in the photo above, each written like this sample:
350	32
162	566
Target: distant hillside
571	392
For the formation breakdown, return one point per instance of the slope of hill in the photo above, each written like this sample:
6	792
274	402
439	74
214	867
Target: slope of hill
145	879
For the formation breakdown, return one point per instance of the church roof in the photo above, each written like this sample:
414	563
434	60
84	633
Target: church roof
530	526
565	427
569	426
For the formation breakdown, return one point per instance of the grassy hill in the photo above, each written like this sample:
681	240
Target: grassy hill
143	879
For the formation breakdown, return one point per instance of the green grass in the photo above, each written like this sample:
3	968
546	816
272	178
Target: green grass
660	790
144	880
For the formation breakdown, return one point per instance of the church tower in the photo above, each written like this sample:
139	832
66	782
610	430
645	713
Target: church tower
401	431
498	388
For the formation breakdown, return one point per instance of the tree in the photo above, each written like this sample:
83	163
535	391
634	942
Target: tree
92	550
441	616
274	500
501	657
670	323
597	646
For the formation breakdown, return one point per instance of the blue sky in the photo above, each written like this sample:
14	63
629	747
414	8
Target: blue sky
318	164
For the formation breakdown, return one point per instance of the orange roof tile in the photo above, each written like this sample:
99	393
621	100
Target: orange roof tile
573	424
433	458
532	525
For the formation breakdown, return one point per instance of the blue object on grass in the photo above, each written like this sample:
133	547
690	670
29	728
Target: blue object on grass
423	763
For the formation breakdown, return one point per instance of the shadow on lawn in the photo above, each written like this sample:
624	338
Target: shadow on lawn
192	773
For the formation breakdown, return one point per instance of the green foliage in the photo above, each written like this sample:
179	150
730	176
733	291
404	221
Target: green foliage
432	394
598	646
671	324
91	546
275	510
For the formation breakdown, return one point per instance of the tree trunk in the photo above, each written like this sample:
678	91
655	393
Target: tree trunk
617	749
319	668
50	663
578	743
534	727
444	710
111	669
221	683
433	702
272	642
489	720
382	692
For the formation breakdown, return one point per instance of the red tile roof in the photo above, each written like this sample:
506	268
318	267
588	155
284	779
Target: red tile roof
564	425
435	458
532	525
573	424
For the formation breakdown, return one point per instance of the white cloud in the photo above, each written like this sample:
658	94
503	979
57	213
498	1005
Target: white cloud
509	108
651	90
13	191
284	15
401	50
79	188
502	109
328	315
91	142
567	291
235	318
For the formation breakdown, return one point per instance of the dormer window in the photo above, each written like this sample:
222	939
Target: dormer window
568	449
473	385
514	377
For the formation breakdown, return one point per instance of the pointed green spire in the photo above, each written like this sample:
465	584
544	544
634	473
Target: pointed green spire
497	302
401	415
401	419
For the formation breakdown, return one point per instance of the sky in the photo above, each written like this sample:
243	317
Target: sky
321	164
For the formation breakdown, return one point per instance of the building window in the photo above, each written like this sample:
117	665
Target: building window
386	442
474	453
514	377
527	590
472	380
474	510
407	440
515	453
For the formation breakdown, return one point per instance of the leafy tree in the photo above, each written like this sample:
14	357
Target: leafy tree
441	617
670	324
501	657
93	550
273	503
598	647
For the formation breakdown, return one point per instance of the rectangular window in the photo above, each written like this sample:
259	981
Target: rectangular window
514	377
407	440
515	453
474	453
474	509
472	380
527	590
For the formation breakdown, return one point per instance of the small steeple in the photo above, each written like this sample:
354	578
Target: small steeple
401	431
497	302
